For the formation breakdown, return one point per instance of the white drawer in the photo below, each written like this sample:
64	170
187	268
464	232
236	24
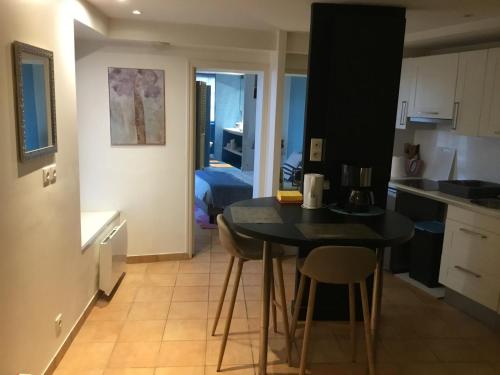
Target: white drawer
470	263
484	222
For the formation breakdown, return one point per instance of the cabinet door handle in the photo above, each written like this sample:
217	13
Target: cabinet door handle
428	113
456	107
473	233
402	117
460	268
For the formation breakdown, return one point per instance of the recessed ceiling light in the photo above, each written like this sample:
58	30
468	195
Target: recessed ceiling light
136	12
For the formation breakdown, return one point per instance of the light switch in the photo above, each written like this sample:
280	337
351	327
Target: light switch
53	174
316	151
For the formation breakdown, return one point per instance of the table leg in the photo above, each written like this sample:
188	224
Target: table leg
378	283
264	314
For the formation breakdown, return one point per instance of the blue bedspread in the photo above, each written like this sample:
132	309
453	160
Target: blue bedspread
225	188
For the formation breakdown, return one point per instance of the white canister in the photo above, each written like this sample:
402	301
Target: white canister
313	190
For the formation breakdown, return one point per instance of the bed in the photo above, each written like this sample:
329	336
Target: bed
219	186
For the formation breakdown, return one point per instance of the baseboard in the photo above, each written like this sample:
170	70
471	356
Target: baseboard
156	257
71	335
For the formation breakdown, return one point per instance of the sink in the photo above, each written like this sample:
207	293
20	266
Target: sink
472	189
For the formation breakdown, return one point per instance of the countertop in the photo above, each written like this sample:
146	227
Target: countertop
448	199
92	223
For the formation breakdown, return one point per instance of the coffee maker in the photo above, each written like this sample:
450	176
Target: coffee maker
357	195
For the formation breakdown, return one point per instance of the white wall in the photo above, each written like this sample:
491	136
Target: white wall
148	184
477	157
42	270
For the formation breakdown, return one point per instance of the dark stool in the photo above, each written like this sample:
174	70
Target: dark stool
426	248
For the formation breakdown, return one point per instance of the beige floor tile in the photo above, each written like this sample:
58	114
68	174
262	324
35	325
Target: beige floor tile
238	312
237	352
245	369
424	369
220	258
252	279
190	267
457	350
186	279
134	354
182	353
190	293
78	372
254	329
86	356
188	310
142	331
154	294
163	267
149	311
200	257
238	329
253	309
254	267
180	330
125	293
180	371
221	267
407	351
470	369
118	312
276	352
132	279
99	331
254	293
215	293
129	371
160	279
136	267
217	279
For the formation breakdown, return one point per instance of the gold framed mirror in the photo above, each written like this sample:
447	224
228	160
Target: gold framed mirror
35	100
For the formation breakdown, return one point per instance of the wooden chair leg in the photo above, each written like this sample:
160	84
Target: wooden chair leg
273	302
307	332
284	310
368	336
223	294
298	303
352	320
230	312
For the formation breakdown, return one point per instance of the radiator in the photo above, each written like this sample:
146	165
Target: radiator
112	258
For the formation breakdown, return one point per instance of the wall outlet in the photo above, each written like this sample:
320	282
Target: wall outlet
46	176
53	174
316	151
58	322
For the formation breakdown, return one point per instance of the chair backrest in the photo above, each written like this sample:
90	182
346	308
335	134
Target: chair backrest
339	264
227	237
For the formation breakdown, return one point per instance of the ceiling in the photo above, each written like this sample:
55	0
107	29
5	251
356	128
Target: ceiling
291	15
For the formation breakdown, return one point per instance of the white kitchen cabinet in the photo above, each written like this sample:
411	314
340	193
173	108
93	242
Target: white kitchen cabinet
490	118
406	86
469	92
471	256
436	79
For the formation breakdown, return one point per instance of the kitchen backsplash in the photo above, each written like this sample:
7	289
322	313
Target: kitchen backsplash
477	157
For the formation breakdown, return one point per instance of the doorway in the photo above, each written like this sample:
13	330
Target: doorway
226	113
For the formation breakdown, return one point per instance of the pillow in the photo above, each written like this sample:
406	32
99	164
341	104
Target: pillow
293	162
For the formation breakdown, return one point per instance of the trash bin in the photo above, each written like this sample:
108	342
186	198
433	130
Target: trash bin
425	255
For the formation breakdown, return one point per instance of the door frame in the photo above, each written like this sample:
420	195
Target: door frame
262	130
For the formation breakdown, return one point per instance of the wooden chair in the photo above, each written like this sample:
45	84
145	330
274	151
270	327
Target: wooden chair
244	249
336	265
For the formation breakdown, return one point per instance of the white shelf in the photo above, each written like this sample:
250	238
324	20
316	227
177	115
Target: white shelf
236	152
234	131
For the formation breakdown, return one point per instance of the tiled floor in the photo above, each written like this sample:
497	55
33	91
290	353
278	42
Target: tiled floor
159	322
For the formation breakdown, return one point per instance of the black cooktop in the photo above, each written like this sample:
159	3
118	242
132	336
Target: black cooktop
423	184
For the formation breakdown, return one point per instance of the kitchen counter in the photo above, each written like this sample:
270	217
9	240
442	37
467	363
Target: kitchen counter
447	199
92	223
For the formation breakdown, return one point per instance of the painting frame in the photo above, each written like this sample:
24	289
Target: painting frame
137	107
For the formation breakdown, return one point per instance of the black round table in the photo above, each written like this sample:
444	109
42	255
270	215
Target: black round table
391	229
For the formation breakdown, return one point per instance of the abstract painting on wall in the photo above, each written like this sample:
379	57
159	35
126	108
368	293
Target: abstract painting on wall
137	106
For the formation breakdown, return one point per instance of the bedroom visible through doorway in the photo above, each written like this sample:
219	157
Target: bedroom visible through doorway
226	122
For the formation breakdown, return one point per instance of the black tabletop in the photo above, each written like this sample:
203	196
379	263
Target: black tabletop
393	229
